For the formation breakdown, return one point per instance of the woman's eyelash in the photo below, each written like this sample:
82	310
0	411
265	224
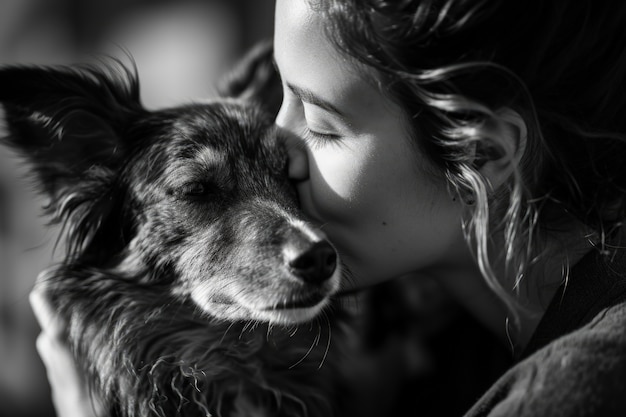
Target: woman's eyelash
319	139
324	136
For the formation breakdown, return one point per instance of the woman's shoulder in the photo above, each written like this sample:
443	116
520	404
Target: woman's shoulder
595	350
578	364
580	374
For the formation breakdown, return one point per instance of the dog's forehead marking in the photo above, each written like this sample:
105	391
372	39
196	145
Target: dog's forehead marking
204	163
211	156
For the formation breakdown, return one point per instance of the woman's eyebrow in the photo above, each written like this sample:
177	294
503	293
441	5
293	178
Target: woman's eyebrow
308	96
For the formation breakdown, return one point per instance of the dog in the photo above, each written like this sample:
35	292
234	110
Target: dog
192	283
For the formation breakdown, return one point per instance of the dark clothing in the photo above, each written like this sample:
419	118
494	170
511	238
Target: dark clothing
575	363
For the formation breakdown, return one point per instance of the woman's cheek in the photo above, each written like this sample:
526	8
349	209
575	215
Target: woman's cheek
338	182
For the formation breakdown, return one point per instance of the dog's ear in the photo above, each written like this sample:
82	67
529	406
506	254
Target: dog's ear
68	122
255	78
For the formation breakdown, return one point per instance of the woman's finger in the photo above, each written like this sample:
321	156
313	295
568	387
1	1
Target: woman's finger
49	321
59	363
68	388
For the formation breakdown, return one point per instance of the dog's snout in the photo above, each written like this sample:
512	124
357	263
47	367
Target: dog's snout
314	264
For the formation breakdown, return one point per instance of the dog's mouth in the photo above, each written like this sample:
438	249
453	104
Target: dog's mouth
303	302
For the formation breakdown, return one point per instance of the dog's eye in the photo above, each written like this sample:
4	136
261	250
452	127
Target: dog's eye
194	189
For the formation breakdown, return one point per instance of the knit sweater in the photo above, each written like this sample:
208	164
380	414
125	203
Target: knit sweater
575	363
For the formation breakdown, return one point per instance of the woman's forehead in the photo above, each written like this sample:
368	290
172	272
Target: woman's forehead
309	61
297	25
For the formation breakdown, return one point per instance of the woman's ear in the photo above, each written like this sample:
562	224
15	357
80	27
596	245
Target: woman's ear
503	146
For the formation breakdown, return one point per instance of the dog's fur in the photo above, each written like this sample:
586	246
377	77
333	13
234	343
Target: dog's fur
192	284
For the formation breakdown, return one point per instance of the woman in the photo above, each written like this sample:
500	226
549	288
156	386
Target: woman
480	143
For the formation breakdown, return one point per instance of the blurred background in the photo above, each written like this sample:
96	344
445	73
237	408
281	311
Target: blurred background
181	48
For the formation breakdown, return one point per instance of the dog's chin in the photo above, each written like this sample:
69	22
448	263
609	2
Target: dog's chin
292	314
296	310
280	315
286	307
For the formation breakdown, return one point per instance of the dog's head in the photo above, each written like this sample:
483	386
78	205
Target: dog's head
195	197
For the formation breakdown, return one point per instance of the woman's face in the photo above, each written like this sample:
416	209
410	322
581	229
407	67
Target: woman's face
357	174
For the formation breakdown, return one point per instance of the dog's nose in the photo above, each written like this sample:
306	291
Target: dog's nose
316	264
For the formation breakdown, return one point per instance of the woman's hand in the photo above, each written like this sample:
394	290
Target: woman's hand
69	391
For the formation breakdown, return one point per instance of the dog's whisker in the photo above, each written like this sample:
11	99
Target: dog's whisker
304	357
318	335
325	316
230	326
245	327
268	332
321	226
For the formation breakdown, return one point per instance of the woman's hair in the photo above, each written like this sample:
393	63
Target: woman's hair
454	65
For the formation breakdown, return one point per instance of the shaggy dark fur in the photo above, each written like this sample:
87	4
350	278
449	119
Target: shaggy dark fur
192	284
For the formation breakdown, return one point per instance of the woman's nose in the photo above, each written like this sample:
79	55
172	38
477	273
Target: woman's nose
298	165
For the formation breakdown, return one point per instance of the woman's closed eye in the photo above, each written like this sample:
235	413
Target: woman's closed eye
319	123
322	135
318	130
316	138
